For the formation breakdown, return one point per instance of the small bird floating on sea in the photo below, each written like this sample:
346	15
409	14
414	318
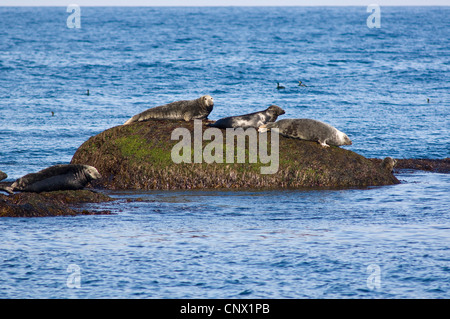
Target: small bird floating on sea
300	83
279	86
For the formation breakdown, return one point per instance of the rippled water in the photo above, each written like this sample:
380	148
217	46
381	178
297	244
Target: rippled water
248	244
373	84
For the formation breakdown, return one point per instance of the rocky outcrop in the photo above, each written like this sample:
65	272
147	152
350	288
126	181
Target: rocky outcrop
138	156
59	203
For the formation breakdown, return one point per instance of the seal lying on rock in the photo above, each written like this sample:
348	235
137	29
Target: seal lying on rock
180	110
54	178
388	163
250	120
311	130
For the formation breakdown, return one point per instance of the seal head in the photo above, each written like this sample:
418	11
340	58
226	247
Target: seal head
206	106
388	164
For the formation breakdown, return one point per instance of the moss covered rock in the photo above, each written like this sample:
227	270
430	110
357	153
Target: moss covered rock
138	156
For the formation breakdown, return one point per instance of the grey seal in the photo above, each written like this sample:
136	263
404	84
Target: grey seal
311	130
180	110
3	176
250	120
57	177
388	164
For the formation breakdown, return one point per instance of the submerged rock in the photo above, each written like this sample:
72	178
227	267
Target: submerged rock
138	156
59	203
432	165
422	164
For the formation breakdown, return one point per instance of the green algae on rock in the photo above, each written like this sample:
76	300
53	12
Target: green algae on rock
138	156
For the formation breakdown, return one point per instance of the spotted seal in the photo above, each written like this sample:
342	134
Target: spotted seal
53	178
250	120
180	110
311	130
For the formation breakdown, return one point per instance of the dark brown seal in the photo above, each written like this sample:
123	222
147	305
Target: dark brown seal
54	178
180	110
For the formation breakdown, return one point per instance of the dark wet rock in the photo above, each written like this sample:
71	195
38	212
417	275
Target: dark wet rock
59	203
138	156
431	165
3	176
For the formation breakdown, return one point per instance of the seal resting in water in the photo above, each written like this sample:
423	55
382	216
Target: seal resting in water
310	130
54	178
250	120
180	110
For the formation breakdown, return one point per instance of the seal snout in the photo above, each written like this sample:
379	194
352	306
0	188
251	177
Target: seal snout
276	109
346	140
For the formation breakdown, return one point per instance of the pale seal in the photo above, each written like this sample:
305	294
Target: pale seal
388	164
180	110
250	120
58	177
310	130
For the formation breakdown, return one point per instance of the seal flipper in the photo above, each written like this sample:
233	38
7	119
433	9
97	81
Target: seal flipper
263	128
187	117
323	143
7	189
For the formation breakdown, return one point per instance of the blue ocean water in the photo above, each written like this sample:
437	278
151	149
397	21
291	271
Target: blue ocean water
387	88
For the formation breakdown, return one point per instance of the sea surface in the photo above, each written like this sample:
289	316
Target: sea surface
388	88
